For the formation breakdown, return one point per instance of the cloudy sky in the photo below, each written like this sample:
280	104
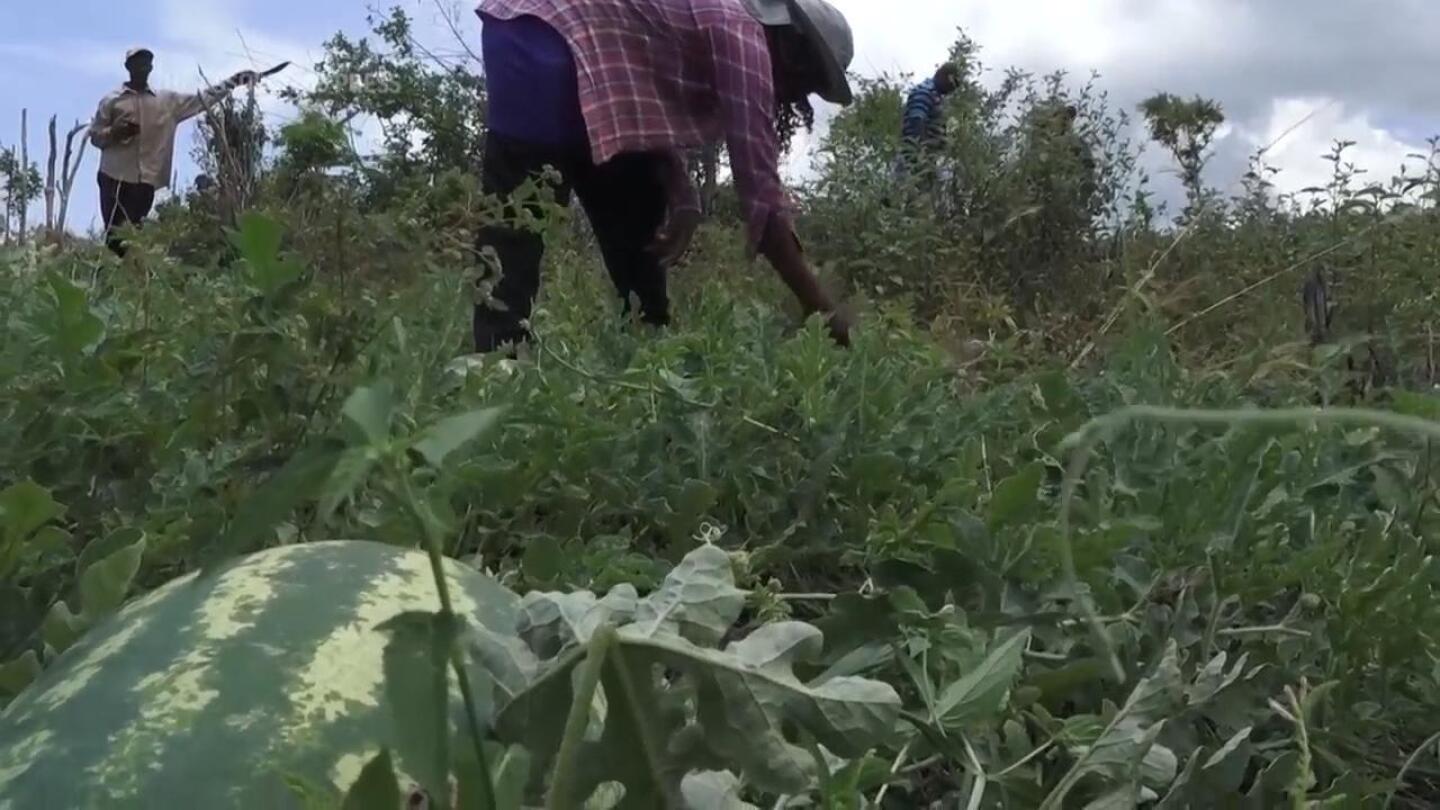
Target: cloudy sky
1362	71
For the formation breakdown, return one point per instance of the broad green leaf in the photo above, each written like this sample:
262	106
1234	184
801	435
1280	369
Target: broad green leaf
747	693
607	796
689	503
509	776
1123	751
25	507
62	627
257	238
511	773
370	409
509	664
18	615
713	790
1158	767
441	439
376	788
1225	770
74	328
698	598
879	472
1183	791
97	550
103	585
1016	496
1214	679
1411	403
551	622
742	696
352	470
18	674
981	694
544	559
418	693
298	482
1059	397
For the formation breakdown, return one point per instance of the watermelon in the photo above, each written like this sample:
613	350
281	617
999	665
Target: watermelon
214	691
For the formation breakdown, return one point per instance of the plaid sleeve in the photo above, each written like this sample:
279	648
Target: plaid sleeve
746	91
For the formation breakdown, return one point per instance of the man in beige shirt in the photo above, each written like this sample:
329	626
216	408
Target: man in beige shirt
134	129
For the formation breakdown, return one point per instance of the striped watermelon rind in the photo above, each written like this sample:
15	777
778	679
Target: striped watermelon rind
210	692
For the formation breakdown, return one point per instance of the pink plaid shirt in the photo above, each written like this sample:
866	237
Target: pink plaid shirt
666	74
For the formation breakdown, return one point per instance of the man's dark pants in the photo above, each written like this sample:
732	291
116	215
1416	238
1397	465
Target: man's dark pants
624	199
122	204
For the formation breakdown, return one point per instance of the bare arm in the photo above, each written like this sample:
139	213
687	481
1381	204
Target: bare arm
188	105
782	249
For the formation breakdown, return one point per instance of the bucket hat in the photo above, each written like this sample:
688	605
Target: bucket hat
827	31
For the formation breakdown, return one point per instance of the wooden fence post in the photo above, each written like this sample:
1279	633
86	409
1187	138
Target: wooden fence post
50	182
24	172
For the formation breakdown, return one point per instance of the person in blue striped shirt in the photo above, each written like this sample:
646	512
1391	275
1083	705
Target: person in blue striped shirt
923	125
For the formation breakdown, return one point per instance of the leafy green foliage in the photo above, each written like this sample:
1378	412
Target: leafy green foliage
740	697
808	528
376	789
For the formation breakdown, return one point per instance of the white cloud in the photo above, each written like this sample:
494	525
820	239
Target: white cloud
1266	63
1298	151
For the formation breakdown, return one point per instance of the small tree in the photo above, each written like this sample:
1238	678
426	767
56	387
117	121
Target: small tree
430	108
230	149
1186	128
59	184
20	184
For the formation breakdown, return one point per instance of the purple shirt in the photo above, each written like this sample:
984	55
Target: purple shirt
531	88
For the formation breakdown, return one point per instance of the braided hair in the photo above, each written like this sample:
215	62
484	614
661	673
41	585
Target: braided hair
790	117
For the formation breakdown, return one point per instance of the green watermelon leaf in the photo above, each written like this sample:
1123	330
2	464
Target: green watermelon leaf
552	622
416	662
544	559
351	471
443	438
73	326
1425	406
698	598
377	788
749	692
258	239
24	508
18	674
299	481
1016	496
103	585
370	409
742	696
1124	751
713	790
100	548
62	627
981	694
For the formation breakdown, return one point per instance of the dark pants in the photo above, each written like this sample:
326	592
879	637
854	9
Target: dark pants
624	199
122	204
